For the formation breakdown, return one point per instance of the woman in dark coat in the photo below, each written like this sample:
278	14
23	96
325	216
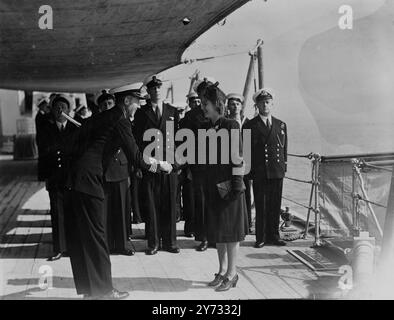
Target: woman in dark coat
226	211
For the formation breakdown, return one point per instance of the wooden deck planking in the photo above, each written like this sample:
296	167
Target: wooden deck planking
14	247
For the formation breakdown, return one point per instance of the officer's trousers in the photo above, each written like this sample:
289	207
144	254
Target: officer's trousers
159	194
57	211
200	211
87	246
268	199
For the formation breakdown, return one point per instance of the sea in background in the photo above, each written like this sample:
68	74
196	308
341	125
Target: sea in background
342	139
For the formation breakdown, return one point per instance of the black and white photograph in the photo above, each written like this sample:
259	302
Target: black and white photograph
197	155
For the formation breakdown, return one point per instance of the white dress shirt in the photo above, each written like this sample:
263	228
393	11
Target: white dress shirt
265	119
159	105
61	125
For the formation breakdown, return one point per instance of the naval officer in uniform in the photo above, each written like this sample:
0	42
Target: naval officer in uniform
53	137
159	190
268	167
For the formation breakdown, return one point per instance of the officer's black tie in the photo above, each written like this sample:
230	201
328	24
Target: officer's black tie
158	114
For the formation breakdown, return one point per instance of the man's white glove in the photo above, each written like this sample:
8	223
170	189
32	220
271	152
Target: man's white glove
153	164
165	166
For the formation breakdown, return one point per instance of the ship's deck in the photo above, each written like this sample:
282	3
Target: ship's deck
267	273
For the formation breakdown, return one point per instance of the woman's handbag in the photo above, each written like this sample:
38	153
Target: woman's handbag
225	188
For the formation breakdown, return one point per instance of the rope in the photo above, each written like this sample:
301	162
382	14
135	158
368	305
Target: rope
186	61
254	76
299	180
376	167
291	236
369	201
224	55
309	156
300	204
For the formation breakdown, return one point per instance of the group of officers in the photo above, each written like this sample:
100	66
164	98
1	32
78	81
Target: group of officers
99	184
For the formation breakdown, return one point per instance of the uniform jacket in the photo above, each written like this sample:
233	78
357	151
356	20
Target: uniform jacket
145	119
269	148
110	127
116	166
54	157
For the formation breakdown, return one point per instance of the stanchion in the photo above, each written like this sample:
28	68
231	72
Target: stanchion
316	209
357	172
314	200
308	216
363	262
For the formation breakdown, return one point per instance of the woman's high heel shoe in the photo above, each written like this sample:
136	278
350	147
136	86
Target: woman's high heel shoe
227	284
218	280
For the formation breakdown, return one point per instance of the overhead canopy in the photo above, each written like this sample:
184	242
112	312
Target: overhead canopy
97	44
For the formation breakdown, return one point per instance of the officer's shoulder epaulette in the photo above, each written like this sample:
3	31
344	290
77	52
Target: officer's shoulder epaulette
282	124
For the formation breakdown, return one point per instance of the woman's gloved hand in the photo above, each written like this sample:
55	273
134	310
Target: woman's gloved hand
233	195
237	187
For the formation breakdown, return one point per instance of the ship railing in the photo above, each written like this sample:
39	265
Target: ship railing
359	194
314	201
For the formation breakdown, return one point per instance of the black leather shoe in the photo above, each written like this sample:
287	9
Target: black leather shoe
114	295
151	251
227	284
128	252
278	242
259	245
189	235
202	246
174	249
217	281
55	257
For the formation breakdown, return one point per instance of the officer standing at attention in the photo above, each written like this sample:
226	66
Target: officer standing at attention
268	168
53	137
159	190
